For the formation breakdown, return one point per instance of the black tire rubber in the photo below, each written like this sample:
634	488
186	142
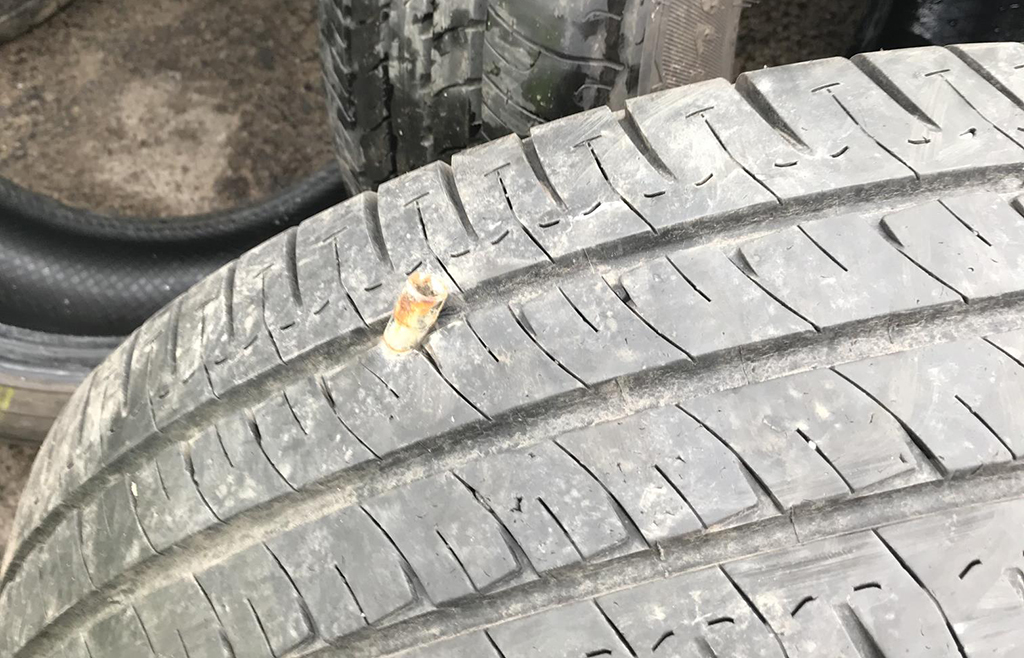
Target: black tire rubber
416	81
744	376
19	16
925	22
73	283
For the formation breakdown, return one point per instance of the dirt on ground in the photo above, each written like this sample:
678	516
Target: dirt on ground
164	107
170	107
776	32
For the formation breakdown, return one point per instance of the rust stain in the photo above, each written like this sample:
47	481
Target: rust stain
416	311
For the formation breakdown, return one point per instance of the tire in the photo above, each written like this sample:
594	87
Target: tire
741	378
918	23
19	16
73	283
38	373
413	82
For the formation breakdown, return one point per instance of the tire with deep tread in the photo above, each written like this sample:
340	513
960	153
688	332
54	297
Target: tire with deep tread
416	81
741	377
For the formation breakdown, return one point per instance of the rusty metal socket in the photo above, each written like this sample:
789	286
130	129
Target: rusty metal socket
415	312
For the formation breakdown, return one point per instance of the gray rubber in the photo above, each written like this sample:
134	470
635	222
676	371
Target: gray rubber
416	81
18	16
741	376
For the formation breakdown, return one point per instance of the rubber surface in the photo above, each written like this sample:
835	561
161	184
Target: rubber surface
413	82
18	16
70	271
740	377
73	282
38	373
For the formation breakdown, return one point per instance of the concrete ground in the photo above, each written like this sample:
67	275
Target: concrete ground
180	106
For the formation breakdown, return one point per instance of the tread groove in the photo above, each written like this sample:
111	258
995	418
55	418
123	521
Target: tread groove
718	138
674	557
469	439
747	468
924	588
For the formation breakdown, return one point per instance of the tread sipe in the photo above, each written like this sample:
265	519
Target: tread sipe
736	371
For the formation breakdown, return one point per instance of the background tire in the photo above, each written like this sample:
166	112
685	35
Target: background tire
752	359
412	82
18	16
73	283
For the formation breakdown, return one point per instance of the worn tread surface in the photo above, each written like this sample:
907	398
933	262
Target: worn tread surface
416	81
783	376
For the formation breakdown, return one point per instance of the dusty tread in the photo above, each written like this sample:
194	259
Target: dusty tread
254	421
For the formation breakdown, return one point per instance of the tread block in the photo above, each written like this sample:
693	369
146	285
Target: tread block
305	307
684	127
1010	343
137	420
346	571
73	647
500	190
120	634
411	208
22	595
390	401
351	232
51	466
102	415
180	623
63	579
596	214
556	511
248	346
579	629
839	270
432	209
809	436
704	304
168	503
999	63
616	172
176	370
671	475
974	244
972	563
260	609
740	134
231	470
586	328
656	620
327	310
494	363
833	151
112	539
952	112
454	545
846	594
958	399
303	437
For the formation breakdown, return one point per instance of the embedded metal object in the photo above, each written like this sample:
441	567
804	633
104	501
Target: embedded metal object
415	311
